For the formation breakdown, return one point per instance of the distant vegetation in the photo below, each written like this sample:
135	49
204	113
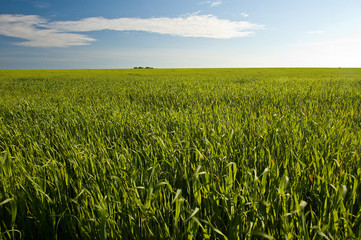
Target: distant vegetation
143	68
180	154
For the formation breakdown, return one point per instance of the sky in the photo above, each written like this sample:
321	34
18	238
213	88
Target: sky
103	34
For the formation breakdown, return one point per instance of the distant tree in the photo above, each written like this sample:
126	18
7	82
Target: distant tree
143	67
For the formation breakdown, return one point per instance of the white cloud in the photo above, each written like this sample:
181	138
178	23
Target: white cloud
34	30
40	33
207	26
244	14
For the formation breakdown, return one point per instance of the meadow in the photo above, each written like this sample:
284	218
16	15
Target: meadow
180	154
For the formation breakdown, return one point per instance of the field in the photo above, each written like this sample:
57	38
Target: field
180	154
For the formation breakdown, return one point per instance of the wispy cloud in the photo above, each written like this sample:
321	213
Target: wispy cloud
42	5
216	3
244	14
35	31
39	32
316	32
212	3
206	26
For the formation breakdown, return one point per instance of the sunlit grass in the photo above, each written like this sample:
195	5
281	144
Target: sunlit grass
180	154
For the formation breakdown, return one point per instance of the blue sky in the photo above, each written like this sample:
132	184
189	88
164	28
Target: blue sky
62	34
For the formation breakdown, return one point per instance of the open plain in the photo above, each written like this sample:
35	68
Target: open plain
180	154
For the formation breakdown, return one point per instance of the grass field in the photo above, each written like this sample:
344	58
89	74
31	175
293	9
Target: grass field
180	154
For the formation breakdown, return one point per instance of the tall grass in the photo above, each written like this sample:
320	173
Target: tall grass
180	154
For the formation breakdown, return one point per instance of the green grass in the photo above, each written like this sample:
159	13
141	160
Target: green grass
180	154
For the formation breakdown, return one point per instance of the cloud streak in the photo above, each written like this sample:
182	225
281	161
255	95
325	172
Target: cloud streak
316	32
212	3
35	32
216	3
38	32
244	14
